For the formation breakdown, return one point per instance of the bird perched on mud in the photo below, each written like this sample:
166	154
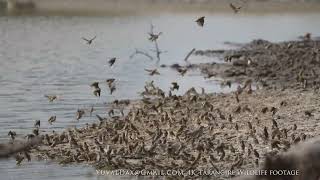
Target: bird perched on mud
89	41
12	134
19	158
154	37
200	21
51	98
152	72
97	89
52	119
112	61
182	71
234	8
174	86
306	37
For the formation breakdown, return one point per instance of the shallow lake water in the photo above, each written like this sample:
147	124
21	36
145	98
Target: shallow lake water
42	55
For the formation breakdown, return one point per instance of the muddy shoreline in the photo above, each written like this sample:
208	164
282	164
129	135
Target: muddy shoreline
274	108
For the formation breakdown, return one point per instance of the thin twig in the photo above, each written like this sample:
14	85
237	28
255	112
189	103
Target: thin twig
189	54
157	50
142	53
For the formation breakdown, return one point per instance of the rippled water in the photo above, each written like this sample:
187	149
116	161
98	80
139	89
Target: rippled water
45	55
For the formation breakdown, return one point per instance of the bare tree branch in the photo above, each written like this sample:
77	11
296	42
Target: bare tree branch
157	50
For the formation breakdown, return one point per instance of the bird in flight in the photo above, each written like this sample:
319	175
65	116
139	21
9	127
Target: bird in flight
37	123
51	98
234	8
110	81
112	61
97	89
79	114
174	86
154	37
152	72
200	21
52	119
89	41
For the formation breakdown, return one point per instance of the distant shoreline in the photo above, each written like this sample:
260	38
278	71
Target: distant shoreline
138	7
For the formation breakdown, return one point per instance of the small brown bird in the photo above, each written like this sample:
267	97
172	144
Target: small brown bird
182	71
265	133
35	131
51	98
97	89
52	119
95	85
200	21
112	88
112	61
12	134
234	8
19	159
110	81
79	114
37	123
307	36
89	41
154	37
256	154
174	86
152	72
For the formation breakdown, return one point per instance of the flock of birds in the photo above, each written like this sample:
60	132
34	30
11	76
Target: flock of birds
155	128
111	84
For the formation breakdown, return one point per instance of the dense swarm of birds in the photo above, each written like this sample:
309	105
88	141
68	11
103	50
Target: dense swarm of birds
293	64
192	131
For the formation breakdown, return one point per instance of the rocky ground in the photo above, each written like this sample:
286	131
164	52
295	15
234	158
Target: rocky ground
275	107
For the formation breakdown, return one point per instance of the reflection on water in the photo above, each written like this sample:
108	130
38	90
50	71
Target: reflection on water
45	55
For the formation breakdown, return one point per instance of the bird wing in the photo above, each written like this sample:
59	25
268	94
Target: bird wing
112	60
85	39
232	6
148	70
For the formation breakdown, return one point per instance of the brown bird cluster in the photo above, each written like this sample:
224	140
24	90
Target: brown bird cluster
192	131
